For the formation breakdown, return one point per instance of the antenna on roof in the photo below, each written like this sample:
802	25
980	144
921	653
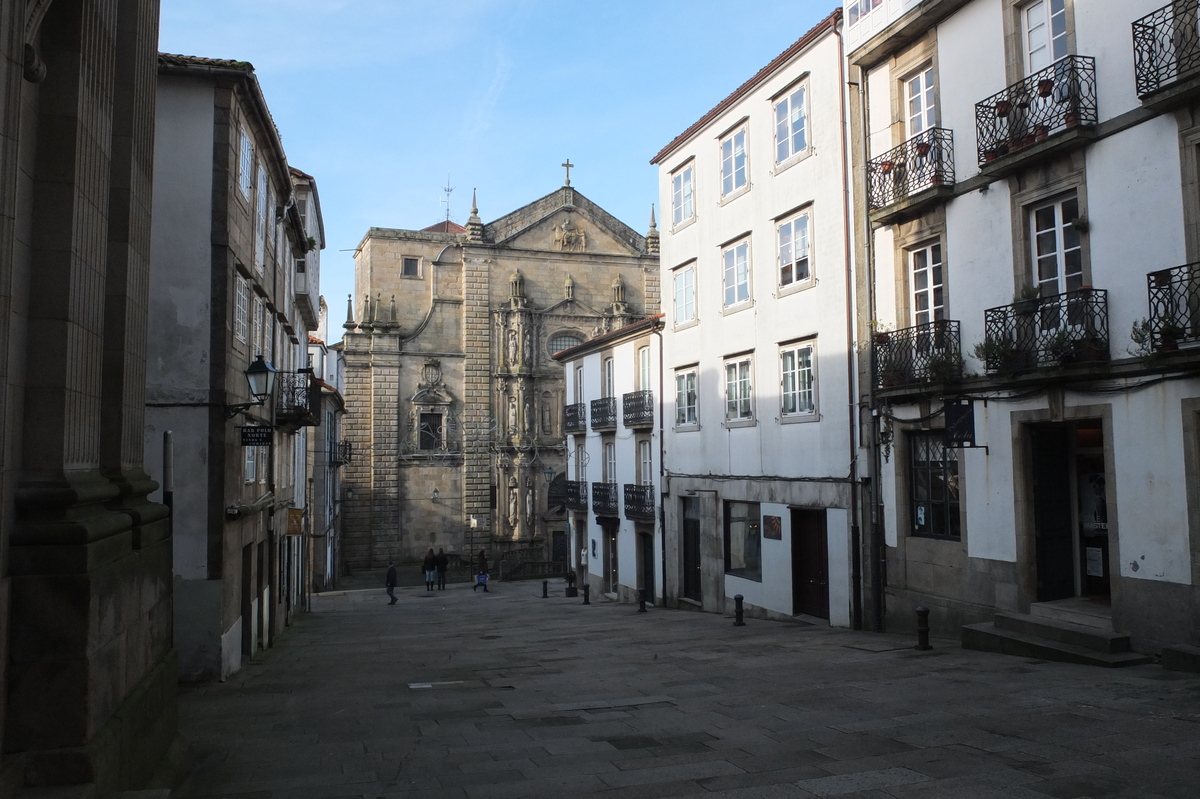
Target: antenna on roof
448	189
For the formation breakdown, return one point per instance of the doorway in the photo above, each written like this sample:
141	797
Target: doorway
646	555
247	601
810	563
611	570
1070	510
691	549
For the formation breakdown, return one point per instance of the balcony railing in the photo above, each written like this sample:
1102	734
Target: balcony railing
637	409
340	452
639	502
298	397
1046	332
1166	46
1174	306
1050	101
931	352
575	418
923	162
604	499
577	495
604	413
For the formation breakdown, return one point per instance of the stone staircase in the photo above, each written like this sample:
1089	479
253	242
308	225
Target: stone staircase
1074	631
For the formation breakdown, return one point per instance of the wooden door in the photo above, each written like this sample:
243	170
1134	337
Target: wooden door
1052	525
810	563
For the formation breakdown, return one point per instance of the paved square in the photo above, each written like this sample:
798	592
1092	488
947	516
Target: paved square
505	694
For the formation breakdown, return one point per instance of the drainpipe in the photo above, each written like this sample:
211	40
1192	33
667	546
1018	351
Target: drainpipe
851	362
662	449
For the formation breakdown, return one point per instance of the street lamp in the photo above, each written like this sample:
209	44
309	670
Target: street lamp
549	473
260	375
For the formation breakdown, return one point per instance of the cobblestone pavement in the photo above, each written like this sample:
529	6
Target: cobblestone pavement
506	694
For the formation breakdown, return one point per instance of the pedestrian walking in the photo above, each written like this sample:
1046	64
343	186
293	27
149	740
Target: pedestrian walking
481	575
390	582
430	567
442	562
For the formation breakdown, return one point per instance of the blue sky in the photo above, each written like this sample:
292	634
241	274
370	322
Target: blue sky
380	99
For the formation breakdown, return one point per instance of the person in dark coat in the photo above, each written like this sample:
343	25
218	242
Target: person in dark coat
390	582
430	566
481	571
442	562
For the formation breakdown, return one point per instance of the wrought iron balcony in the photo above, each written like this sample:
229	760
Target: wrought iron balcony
297	399
639	502
1041	108
604	499
575	418
1174	306
577	495
604	413
340	452
1166	48
921	169
637	409
1046	332
928	353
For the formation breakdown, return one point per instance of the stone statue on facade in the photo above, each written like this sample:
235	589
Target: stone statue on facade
569	238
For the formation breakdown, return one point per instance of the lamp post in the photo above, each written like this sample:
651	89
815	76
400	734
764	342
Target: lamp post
260	376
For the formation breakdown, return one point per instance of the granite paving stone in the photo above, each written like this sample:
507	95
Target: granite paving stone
510	695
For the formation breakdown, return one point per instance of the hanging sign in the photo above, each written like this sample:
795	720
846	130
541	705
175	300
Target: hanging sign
295	521
960	423
256	435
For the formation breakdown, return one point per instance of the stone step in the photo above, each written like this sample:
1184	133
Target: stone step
1181	657
987	637
1081	611
1063	632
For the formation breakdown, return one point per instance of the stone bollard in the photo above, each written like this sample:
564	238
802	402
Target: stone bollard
545	589
923	629
587	594
641	600
737	611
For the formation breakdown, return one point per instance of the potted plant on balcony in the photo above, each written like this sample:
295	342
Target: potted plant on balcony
922	148
1041	132
1001	355
886	166
1003	108
1059	348
1027	300
944	366
1045	86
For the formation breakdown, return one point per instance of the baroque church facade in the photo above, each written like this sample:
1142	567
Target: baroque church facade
454	403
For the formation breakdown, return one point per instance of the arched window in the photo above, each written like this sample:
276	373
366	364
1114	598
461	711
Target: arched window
563	341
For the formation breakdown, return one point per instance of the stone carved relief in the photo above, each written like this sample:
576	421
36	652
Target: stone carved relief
569	238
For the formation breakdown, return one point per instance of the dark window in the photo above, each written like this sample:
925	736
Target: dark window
431	431
743	540
933	486
563	341
411	267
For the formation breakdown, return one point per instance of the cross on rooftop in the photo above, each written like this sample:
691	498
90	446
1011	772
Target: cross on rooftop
568	165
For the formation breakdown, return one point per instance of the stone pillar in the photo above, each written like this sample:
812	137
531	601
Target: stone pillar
481	418
92	672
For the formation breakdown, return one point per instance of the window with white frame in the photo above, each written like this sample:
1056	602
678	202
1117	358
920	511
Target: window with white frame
257	330
791	124
794	252
245	164
610	462
608	379
857	10
736	261
686	396
1045	26
739	406
928	291
249	464
275	231
799	379
1056	247
645	462
579	397
920	106
581	461
734	162
269	335
682	207
260	222
643	364
264	463
241	309
684	284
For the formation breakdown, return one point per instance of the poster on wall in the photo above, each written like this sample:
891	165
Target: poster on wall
1095	562
1093	508
773	527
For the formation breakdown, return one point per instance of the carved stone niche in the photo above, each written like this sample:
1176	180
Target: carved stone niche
429	429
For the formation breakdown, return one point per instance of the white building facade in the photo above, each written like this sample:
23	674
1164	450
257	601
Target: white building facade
614	423
758	358
328	452
1031	305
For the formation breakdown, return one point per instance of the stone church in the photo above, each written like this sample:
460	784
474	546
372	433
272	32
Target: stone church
454	404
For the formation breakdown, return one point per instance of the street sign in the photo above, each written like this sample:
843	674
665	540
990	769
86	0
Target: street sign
256	435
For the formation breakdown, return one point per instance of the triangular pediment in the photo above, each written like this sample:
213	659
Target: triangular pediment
565	221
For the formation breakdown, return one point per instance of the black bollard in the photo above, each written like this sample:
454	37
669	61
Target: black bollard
923	629
587	594
641	600
545	589
737	611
